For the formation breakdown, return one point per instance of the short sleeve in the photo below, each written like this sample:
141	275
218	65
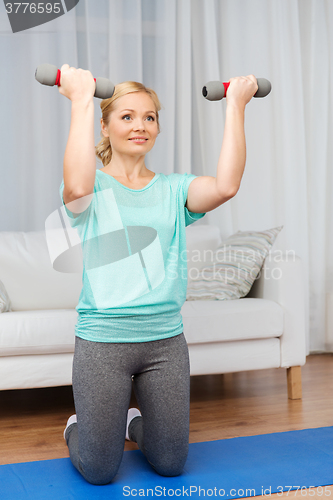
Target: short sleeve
190	217
75	219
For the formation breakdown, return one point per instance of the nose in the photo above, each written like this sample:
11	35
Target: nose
138	124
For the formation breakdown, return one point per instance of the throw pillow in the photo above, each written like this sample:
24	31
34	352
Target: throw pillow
236	265
5	304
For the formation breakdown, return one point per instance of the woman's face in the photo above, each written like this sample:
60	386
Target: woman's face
132	127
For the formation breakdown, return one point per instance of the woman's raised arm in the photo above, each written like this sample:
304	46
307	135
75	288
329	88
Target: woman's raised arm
79	160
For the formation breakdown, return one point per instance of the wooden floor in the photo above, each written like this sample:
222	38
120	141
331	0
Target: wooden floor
222	406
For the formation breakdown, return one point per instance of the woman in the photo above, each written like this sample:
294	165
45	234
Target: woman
131	222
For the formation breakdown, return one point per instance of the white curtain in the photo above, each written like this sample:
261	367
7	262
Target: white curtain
176	46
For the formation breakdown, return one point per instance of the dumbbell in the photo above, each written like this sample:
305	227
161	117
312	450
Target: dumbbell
215	91
48	74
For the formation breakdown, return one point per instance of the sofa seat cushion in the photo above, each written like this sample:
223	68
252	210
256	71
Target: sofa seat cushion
223	321
37	332
53	331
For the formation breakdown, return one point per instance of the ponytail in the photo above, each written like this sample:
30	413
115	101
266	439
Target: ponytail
103	151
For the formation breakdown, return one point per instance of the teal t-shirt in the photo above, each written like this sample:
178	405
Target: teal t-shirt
133	243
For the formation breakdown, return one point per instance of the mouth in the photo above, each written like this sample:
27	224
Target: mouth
139	140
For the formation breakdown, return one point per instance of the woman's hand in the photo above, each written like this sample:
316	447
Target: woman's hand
241	90
76	84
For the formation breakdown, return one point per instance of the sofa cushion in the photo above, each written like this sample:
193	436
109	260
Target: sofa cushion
37	332
31	282
243	319
27	273
236	265
5	304
53	332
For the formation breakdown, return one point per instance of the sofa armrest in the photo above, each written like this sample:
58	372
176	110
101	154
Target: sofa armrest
281	280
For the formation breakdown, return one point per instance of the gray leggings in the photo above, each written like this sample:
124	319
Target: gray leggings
103	374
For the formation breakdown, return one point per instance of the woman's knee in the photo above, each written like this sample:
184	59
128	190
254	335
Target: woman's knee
171	464
169	469
99	474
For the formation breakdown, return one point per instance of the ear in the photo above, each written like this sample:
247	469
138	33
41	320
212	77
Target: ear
104	129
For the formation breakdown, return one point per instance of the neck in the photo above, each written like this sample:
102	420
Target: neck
127	167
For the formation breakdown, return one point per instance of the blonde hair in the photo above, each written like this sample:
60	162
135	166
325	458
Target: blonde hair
103	149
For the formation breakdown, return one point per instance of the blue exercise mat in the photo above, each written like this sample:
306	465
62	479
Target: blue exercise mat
230	468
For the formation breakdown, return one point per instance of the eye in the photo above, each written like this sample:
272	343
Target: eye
126	116
150	118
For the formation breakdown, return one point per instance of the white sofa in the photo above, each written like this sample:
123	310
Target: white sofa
266	329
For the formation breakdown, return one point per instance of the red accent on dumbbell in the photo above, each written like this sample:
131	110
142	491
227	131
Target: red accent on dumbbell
57	82
225	85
